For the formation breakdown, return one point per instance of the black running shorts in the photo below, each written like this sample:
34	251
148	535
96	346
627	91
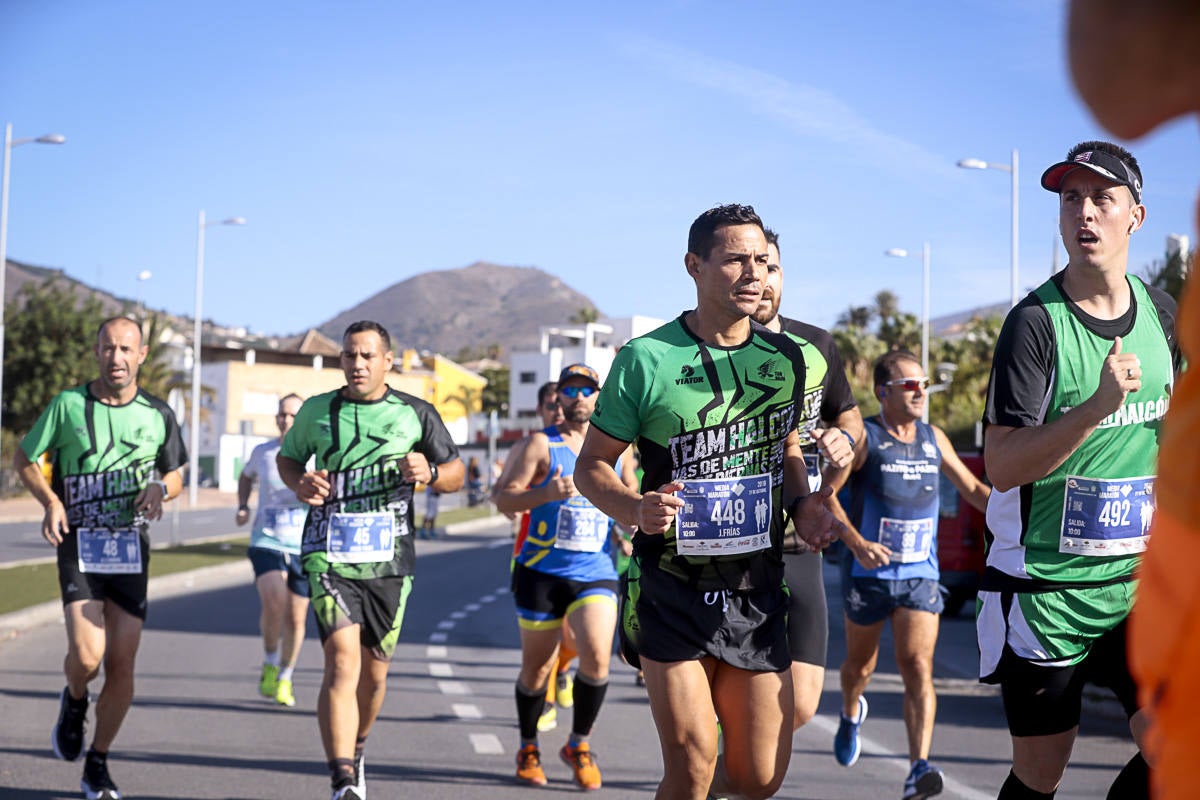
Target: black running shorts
666	620
1039	701
376	605
127	591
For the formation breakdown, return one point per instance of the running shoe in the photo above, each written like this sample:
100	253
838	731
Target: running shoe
925	780
346	793
581	760
847	744
269	680
529	766
283	692
96	783
360	777
566	689
548	721
67	735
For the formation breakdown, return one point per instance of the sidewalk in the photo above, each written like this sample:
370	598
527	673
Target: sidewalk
23	508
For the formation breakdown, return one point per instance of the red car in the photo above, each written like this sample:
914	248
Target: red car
962	540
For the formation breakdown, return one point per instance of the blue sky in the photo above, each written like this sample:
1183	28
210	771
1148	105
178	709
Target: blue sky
366	142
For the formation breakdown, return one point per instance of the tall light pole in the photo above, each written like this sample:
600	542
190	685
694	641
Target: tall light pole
897	252
142	277
9	144
194	432
975	163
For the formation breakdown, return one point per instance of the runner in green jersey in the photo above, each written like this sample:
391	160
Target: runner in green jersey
829	426
713	403
371	444
1080	381
108	438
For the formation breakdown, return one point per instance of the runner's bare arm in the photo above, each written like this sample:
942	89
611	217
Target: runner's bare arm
310	487
516	494
151	499
245	486
629	470
815	521
652	512
1016	456
54	523
973	490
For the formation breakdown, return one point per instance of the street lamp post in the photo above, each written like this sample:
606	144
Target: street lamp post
9	144
142	277
194	432
1012	169
897	252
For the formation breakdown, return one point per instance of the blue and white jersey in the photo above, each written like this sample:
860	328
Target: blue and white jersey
894	501
567	538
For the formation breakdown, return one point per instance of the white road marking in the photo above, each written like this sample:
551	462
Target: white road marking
466	711
439	669
472	607
437	651
453	687
437	637
446	625
458	615
486	744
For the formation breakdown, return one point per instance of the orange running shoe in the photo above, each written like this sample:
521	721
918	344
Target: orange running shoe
581	760
529	766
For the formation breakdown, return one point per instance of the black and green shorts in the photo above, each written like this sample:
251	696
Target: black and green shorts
664	619
376	605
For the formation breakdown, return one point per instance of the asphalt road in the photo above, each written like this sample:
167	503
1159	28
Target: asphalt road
447	729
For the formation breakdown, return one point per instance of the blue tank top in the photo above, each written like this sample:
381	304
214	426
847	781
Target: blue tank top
894	500
567	538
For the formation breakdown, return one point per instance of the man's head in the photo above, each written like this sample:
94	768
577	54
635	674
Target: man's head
900	386
768	307
727	257
1100	192
578	388
289	406
548	407
366	359
119	353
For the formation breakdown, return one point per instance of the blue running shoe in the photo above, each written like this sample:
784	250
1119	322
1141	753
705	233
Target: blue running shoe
846	743
925	780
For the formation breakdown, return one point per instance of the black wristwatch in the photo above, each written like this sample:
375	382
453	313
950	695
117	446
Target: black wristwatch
433	473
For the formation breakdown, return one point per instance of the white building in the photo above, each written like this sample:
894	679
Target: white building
592	343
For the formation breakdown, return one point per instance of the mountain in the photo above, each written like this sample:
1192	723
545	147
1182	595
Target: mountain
469	307
20	275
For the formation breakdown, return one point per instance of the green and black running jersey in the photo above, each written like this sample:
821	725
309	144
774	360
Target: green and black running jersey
104	455
827	393
701	411
361	443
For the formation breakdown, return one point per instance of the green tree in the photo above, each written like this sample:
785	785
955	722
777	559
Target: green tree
495	394
1170	273
49	346
584	315
960	406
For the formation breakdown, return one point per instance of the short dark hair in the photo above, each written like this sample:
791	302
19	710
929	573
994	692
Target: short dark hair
122	318
1113	150
885	367
703	230
364	325
772	237
547	389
